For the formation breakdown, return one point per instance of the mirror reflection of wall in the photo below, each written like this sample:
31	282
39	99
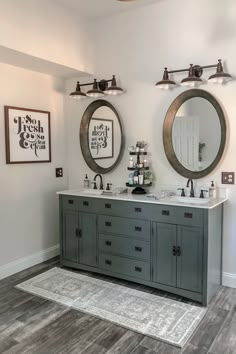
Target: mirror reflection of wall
196	134
104	137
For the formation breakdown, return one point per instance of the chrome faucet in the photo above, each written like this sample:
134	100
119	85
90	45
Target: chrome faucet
101	181
191	189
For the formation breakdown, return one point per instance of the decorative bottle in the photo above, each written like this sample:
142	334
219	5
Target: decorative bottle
86	181
131	162
212	190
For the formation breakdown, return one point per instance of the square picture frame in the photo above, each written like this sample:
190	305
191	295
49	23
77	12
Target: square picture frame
101	139
27	135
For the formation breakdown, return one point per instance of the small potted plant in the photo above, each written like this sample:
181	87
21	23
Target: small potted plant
142	146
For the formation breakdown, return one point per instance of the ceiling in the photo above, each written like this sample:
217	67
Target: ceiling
101	8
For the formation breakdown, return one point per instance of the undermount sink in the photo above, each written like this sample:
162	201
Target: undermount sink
192	200
92	191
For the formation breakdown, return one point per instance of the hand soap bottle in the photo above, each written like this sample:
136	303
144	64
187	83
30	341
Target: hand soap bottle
86	182
212	190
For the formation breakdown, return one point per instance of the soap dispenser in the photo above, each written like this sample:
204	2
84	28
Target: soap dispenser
212	190
86	181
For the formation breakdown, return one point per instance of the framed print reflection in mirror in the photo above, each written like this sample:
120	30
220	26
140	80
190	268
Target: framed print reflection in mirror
101	138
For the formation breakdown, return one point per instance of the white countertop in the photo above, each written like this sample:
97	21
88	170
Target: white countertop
210	204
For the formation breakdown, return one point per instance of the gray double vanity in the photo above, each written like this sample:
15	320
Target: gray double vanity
163	244
170	243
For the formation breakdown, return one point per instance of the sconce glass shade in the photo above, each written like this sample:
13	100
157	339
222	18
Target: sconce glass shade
77	94
114	89
192	80
165	83
220	76
95	92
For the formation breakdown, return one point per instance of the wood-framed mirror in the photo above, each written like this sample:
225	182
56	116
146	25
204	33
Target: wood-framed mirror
194	133
101	136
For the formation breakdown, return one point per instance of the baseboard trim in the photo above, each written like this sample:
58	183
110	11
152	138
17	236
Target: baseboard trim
229	279
14	267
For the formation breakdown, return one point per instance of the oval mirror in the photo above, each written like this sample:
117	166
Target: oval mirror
194	133
101	136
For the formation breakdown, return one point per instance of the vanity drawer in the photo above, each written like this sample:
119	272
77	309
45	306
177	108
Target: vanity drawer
138	210
70	202
125	246
124	226
126	266
124	208
87	204
79	203
177	215
190	216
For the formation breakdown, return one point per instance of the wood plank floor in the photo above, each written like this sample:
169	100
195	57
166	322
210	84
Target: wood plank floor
30	324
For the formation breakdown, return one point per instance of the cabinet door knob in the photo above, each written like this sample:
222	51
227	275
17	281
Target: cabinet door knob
178	251
108	262
138	228
174	251
108	243
77	232
108	223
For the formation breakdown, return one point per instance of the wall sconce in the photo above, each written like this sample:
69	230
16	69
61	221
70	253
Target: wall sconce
99	89
194	76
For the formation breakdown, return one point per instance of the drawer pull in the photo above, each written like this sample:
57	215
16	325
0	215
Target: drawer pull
85	203
138	269
108	243
108	206
138	210
138	228
70	201
108	262
108	223
165	212
138	249
188	215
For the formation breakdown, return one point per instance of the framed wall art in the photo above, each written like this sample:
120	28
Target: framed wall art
101	138
28	136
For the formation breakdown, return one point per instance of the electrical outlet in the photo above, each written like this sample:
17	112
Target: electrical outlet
227	178
59	172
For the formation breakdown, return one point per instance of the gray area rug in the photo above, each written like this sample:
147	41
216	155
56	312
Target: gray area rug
161	318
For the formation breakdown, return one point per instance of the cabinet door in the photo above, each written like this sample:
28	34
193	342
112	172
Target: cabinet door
87	240
164	258
70	241
189	258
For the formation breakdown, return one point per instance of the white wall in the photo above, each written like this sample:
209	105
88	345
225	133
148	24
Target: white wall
140	44
46	30
28	200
